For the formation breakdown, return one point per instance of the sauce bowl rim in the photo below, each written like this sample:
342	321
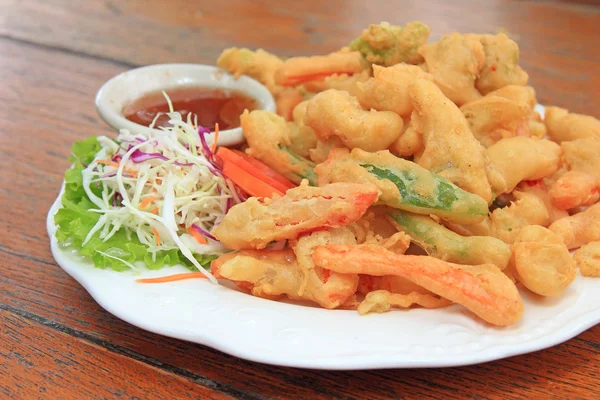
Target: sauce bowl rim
116	92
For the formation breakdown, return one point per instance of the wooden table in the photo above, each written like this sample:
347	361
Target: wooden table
58	343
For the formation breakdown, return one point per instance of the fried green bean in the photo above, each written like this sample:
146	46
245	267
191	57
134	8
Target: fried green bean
268	137
403	184
440	242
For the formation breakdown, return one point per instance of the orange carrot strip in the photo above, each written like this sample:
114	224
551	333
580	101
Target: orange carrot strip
213	148
116	165
155	210
146	201
172	278
199	238
157	236
248	183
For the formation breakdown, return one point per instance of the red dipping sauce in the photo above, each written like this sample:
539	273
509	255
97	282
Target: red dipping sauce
210	105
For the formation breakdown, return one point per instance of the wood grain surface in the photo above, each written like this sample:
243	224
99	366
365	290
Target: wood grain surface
58	343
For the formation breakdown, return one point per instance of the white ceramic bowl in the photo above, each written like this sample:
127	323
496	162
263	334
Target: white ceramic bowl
121	90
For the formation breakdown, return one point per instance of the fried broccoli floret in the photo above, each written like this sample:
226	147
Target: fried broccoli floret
386	44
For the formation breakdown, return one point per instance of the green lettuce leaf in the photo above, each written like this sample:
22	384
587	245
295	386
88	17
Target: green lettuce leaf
74	221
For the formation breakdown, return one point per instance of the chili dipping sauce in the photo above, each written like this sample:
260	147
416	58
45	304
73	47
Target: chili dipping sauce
210	105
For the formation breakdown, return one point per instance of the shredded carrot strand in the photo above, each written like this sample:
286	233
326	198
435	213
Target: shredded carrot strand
115	165
155	210
199	238
157	236
172	278
214	145
147	201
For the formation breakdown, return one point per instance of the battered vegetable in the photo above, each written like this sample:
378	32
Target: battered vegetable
449	146
404	184
256	223
440	242
483	289
268	137
336	113
386	44
542	261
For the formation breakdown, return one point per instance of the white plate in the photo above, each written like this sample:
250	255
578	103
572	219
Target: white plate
308	337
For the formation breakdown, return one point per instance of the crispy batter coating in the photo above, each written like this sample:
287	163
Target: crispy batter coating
387	45
297	70
272	274
450	148
505	223
455	63
539	188
321	152
259	64
409	143
302	137
256	223
501	64
541	261
583	155
575	189
305	245
579	229
269	140
388	89
588	259
344	82
440	242
564	126
483	289
286	101
403	184
336	113
494	117
521	158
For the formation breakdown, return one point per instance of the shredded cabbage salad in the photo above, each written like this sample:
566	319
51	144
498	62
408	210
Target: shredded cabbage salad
153	198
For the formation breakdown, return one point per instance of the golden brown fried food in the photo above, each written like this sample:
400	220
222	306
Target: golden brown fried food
564	126
521	158
297	70
269	140
259	64
455	63
256	223
409	143
583	155
387	45
403	184
380	301
450	148
336	113
539	188
493	117
286	101
302	137
579	229
483	289
388	89
588	259
517	94
575	189
505	223
272	274
321	152
501	64
541	261
305	245
440	242
344	82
